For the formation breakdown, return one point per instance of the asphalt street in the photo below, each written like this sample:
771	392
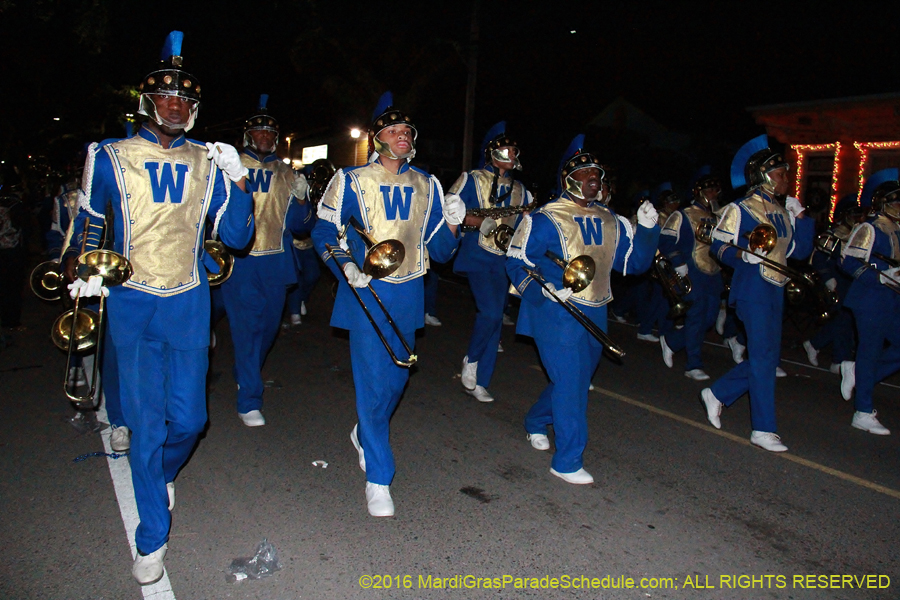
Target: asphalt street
678	507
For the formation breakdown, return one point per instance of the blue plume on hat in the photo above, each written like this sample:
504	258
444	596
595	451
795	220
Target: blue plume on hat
848	201
497	129
386	100
172	47
129	131
872	183
665	186
638	198
263	101
738	178
702	171
574	146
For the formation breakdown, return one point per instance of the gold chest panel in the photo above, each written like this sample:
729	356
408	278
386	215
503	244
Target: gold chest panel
774	214
591	230
271	198
483	181
165	198
700	252
396	206
890	229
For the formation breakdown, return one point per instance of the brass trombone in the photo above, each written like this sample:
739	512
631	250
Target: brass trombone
81	329
577	275
220	254
381	259
48	278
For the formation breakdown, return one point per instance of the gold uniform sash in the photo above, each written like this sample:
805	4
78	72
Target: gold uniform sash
700	252
890	229
270	203
396	206
761	211
591	230
165	198
483	180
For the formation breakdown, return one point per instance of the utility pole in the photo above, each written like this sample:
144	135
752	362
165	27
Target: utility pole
469	129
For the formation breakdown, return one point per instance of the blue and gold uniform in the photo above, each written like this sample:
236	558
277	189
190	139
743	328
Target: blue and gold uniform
568	352
480	258
159	319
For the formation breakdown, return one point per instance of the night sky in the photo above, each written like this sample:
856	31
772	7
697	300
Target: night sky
694	67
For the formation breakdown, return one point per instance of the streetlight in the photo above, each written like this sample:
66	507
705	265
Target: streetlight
355	133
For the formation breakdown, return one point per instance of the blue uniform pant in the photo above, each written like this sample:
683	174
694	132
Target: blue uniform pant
431	288
701	316
570	364
490	289
379	384
652	307
163	393
109	374
307	276
762	321
874	362
838	332
254	309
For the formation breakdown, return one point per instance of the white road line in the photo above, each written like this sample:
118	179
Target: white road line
120	471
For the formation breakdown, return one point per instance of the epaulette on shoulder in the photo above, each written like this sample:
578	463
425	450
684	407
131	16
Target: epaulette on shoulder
109	141
419	171
195	142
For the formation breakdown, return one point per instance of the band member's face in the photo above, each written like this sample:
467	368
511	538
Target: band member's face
510	151
710	194
263	139
590	181
173	109
780	178
398	137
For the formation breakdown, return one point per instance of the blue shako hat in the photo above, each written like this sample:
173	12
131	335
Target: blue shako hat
495	139
881	188
261	120
386	115
574	159
170	80
661	194
703	179
753	163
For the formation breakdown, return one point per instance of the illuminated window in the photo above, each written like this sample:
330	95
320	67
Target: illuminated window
314	153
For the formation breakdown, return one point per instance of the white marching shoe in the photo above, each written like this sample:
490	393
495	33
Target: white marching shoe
767	441
539	441
356	444
848	378
647	337
499	347
812	355
696	375
303	308
296	319
150	568
579	477
469	375
378	500
170	490
120	439
720	321
254	418
779	372
713	407
432	320
666	351
480	394
869	422
737	349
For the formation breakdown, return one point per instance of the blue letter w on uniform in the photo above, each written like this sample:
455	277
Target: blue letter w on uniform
396	198
258	180
164	183
780	226
591	230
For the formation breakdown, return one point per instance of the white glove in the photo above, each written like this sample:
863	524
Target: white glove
682	270
647	215
454	210
753	258
892	273
299	187
793	206
488	226
831	284
561	295
92	287
357	278
227	159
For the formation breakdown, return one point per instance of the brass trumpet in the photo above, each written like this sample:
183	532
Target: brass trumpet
381	259
219	253
80	329
577	275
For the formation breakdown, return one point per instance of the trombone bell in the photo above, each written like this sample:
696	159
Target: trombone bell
220	254
383	258
114	268
579	273
763	237
86	330
47	280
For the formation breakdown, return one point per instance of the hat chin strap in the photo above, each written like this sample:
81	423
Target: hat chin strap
574	187
154	114
385	150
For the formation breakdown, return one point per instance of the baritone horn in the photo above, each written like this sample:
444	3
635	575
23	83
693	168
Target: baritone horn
80	329
381	259
577	275
225	259
675	286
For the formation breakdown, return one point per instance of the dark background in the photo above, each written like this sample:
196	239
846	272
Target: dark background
693	67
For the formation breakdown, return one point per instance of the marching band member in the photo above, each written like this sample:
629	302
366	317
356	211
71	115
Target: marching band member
161	188
691	259
308	272
756	288
389	199
480	257
255	293
874	246
573	224
652	306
